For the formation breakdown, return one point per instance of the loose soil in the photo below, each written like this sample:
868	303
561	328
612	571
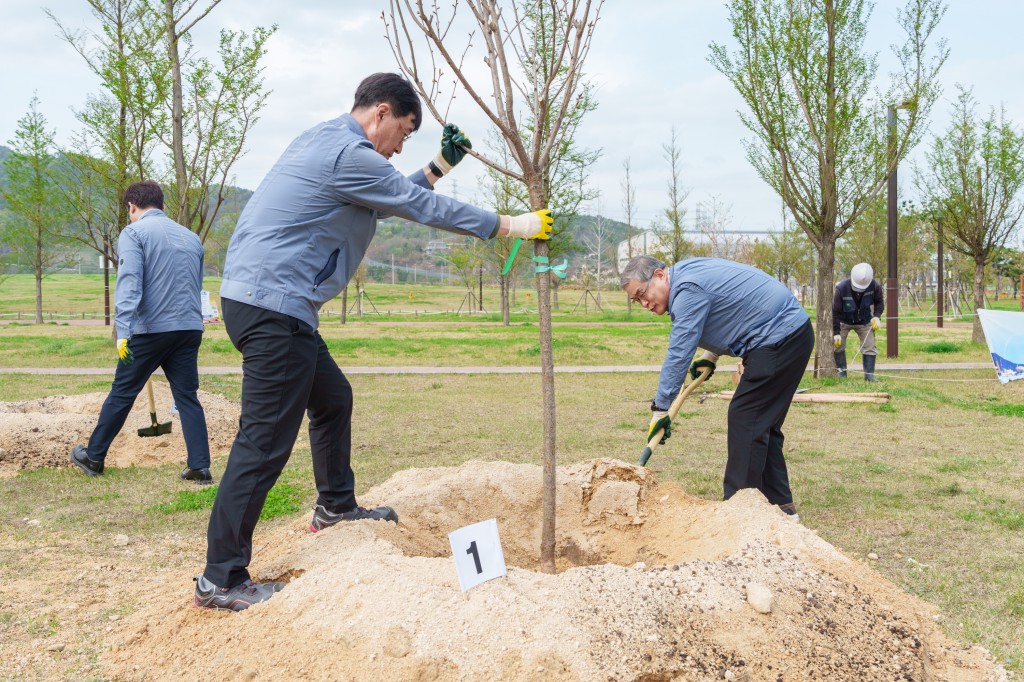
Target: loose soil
41	433
652	585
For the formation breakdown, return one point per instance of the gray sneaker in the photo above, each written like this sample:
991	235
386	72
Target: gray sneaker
237	598
80	458
325	519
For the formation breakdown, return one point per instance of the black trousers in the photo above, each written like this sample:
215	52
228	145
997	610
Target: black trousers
758	408
286	372
176	353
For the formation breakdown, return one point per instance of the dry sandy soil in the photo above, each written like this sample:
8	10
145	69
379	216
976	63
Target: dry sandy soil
652	585
41	433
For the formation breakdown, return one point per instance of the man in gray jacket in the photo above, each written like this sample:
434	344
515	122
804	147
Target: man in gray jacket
159	323
298	241
728	308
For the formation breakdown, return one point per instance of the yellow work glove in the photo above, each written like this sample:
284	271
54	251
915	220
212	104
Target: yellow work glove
837	341
124	353
536	225
660	420
876	324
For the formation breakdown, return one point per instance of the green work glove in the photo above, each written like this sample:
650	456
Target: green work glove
660	420
454	144
536	225
124	353
698	364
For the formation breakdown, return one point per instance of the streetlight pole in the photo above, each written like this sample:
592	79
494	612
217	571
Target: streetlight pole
892	284
892	347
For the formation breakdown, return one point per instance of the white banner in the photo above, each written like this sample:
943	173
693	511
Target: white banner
1004	332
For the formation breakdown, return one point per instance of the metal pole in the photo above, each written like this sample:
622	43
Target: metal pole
892	348
940	293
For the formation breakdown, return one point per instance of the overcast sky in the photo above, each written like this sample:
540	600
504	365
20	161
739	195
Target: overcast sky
648	60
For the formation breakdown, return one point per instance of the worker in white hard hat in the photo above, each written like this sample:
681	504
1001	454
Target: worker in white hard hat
858	305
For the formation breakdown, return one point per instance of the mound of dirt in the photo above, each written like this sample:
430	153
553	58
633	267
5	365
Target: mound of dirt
40	433
652	585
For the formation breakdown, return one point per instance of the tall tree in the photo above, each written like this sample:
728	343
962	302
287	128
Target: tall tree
975	171
673	237
535	92
212	109
119	124
821	138
35	213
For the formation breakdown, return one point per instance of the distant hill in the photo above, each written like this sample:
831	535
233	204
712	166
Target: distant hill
410	246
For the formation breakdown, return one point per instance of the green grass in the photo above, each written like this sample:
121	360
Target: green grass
284	499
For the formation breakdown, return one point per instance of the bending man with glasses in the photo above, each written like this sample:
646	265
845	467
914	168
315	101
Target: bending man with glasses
728	308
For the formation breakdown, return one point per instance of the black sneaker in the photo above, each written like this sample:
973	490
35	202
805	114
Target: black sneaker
325	519
790	510
80	458
237	598
200	476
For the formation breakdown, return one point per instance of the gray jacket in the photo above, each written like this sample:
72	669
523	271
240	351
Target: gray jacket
159	277
304	232
727	308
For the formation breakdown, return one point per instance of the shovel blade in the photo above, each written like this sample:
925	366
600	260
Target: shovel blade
155	430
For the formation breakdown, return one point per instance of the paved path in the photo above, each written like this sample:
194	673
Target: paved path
565	369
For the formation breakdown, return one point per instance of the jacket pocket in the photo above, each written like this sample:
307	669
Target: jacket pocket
328	269
848	305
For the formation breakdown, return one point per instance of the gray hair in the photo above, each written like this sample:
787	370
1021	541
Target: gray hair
640	268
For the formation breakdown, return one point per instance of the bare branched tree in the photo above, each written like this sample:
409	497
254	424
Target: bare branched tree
534	92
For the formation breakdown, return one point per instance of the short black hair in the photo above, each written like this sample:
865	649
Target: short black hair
145	194
393	90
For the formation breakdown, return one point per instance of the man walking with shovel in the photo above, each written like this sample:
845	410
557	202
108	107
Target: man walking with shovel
159	323
728	308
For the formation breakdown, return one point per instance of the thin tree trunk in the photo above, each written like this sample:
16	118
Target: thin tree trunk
825	363
177	141
39	279
505	317
547	369
978	335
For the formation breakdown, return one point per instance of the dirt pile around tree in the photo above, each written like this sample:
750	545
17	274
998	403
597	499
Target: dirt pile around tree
40	433
652	585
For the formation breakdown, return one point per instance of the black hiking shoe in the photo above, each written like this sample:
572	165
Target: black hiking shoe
325	519
200	476
80	458
237	598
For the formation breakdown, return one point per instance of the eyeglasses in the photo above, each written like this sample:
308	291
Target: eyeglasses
640	293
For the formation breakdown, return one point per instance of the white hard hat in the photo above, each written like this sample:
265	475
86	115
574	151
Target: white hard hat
861	276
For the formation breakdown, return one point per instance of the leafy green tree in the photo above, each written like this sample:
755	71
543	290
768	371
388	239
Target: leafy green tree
35	212
974	176
821	138
535	92
1009	263
213	109
120	125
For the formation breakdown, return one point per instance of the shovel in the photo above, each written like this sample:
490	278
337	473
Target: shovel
157	429
673	410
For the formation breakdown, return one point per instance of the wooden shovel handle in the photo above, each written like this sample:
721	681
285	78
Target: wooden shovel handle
673	410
